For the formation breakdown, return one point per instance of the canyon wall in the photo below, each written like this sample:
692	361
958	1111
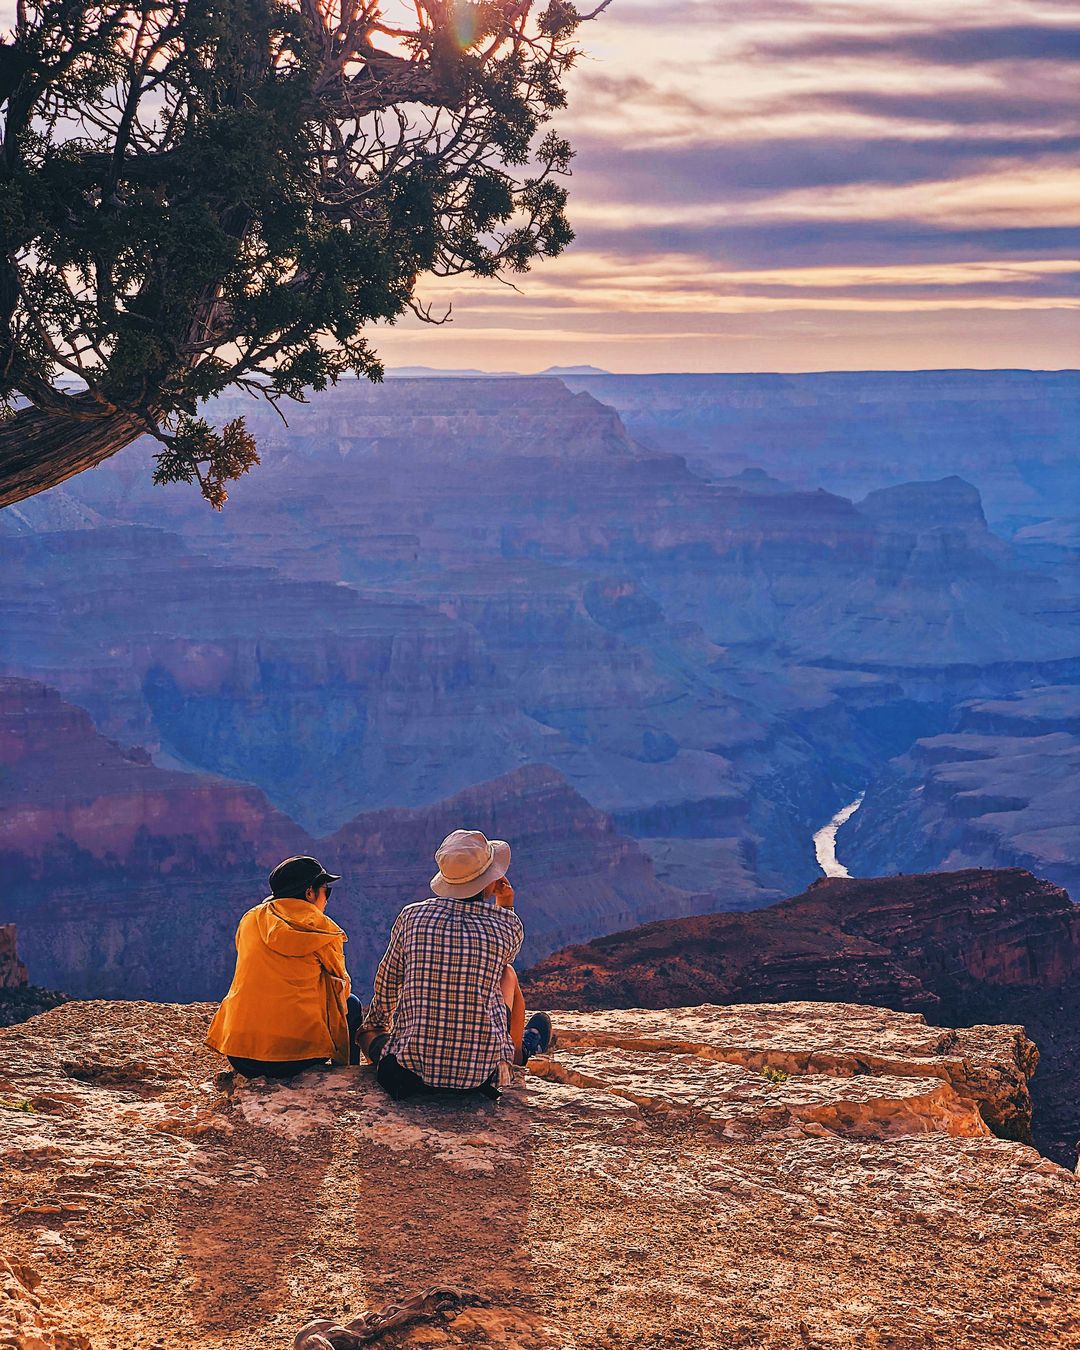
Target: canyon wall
433	583
1013	432
128	880
1001	787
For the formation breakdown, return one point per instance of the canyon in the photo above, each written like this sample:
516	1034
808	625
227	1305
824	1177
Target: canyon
1012	432
1001	789
128	880
431	584
757	1177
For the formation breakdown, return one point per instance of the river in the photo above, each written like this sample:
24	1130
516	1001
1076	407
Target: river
825	840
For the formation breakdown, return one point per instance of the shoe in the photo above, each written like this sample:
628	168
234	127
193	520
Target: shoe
539	1036
376	1048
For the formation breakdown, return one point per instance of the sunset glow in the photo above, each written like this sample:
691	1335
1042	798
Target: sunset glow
797	185
803	186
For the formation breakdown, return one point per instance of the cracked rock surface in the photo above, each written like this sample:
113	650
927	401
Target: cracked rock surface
776	1176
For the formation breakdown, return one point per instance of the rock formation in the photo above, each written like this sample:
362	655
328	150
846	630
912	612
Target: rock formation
72	802
1013	432
19	999
128	880
1000	787
719	665
12	971
769	1176
911	940
951	945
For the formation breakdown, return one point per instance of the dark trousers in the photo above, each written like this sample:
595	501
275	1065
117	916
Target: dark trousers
393	1077
286	1068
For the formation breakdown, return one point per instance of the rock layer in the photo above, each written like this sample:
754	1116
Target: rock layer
1000	786
12	971
877	1056
717	666
913	941
648	1185
128	880
1011	431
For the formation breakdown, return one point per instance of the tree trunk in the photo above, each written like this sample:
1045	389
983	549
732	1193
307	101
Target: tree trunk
38	450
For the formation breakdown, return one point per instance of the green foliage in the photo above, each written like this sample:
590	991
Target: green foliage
201	195
775	1076
18	1104
214	458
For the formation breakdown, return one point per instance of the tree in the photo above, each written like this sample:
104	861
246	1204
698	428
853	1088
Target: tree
230	192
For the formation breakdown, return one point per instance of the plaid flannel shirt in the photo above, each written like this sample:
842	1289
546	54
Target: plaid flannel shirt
437	990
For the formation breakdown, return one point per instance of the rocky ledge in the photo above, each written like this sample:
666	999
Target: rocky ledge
779	1176
19	999
12	971
961	947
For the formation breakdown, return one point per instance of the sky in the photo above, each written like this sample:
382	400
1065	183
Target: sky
779	185
800	185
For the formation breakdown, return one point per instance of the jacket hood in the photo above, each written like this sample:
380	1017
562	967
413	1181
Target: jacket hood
295	928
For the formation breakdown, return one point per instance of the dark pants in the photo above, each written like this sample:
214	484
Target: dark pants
401	1082
286	1068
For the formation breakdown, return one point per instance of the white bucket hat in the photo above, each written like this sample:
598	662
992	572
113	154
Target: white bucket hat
468	861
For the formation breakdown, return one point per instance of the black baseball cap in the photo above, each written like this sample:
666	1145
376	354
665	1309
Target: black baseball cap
293	876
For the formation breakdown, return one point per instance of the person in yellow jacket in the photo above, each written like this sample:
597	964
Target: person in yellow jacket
290	1005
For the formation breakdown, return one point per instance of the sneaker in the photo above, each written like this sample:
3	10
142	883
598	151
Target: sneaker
539	1036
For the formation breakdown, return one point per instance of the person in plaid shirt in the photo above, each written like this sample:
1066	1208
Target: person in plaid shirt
447	1011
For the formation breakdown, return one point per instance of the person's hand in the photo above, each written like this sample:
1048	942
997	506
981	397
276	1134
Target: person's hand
504	893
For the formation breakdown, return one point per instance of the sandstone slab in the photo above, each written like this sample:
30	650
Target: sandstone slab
649	1185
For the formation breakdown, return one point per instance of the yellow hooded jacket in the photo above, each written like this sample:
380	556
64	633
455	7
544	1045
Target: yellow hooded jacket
287	998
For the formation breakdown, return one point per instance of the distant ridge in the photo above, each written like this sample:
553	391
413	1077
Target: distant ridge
470	373
434	373
574	370
583	371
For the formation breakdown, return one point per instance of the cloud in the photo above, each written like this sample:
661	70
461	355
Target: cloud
963	108
604	92
975	45
747	169
807	242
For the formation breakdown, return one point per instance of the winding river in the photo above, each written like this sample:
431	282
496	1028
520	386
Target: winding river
825	840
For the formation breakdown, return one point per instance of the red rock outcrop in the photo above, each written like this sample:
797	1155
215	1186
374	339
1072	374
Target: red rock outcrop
955	946
907	941
29	1318
12	971
19	999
